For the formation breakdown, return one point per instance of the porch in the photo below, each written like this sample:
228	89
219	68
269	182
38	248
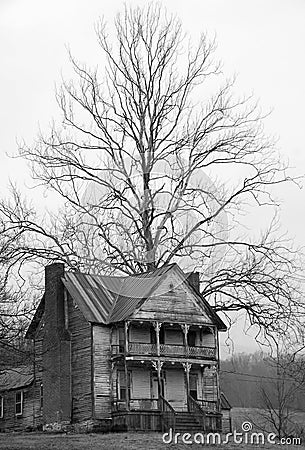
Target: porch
161	416
160	395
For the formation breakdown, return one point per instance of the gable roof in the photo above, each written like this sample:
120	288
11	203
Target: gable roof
108	299
16	378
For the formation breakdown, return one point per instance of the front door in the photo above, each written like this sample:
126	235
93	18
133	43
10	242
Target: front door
176	389
155	387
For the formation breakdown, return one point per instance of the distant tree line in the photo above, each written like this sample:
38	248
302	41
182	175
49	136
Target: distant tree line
248	379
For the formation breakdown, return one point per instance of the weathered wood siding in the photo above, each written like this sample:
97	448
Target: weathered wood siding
138	420
102	371
209	385
175	388
17	423
81	363
226	421
173	301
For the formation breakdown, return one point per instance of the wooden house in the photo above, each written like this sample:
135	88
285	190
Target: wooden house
136	353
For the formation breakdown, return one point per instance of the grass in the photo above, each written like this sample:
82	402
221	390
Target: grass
123	441
118	441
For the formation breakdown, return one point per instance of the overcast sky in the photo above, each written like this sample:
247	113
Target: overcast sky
261	41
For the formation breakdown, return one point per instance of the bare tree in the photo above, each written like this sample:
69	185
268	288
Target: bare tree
141	163
279	393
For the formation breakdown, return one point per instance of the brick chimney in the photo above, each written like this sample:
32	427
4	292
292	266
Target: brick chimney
56	358
193	279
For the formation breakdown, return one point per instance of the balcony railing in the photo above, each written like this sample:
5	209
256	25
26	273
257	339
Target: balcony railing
137	348
180	351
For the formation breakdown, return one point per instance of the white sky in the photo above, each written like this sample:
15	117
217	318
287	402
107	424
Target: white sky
262	41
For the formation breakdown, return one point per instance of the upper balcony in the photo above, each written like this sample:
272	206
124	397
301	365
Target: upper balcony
169	350
140	339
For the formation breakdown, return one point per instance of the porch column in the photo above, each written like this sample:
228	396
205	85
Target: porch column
157	326
187	367
111	382
125	366
126	333
158	367
185	328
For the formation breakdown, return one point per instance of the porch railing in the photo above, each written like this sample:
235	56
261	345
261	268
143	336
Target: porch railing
168	414
143	404
196	409
136	404
207	405
180	351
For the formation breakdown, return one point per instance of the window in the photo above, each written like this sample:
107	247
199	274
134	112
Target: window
1	406
191	338
19	403
41	395
193	385
122	385
161	335
153	336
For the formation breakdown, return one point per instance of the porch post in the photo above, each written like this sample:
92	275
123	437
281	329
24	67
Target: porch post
126	326
187	367
113	398
158	367
125	366
185	328
157	326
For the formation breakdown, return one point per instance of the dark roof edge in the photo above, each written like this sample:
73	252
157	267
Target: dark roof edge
31	331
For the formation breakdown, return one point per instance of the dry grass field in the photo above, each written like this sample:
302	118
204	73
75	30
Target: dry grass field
124	441
128	441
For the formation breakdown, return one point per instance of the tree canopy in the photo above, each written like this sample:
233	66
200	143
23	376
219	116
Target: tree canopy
156	161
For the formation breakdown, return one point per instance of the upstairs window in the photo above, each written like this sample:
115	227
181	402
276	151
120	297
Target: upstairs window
191	338
161	335
19	403
1	406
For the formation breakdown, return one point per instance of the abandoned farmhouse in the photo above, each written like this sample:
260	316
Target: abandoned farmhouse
137	353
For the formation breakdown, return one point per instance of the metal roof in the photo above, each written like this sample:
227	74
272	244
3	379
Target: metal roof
134	290
106	299
16	378
90	294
